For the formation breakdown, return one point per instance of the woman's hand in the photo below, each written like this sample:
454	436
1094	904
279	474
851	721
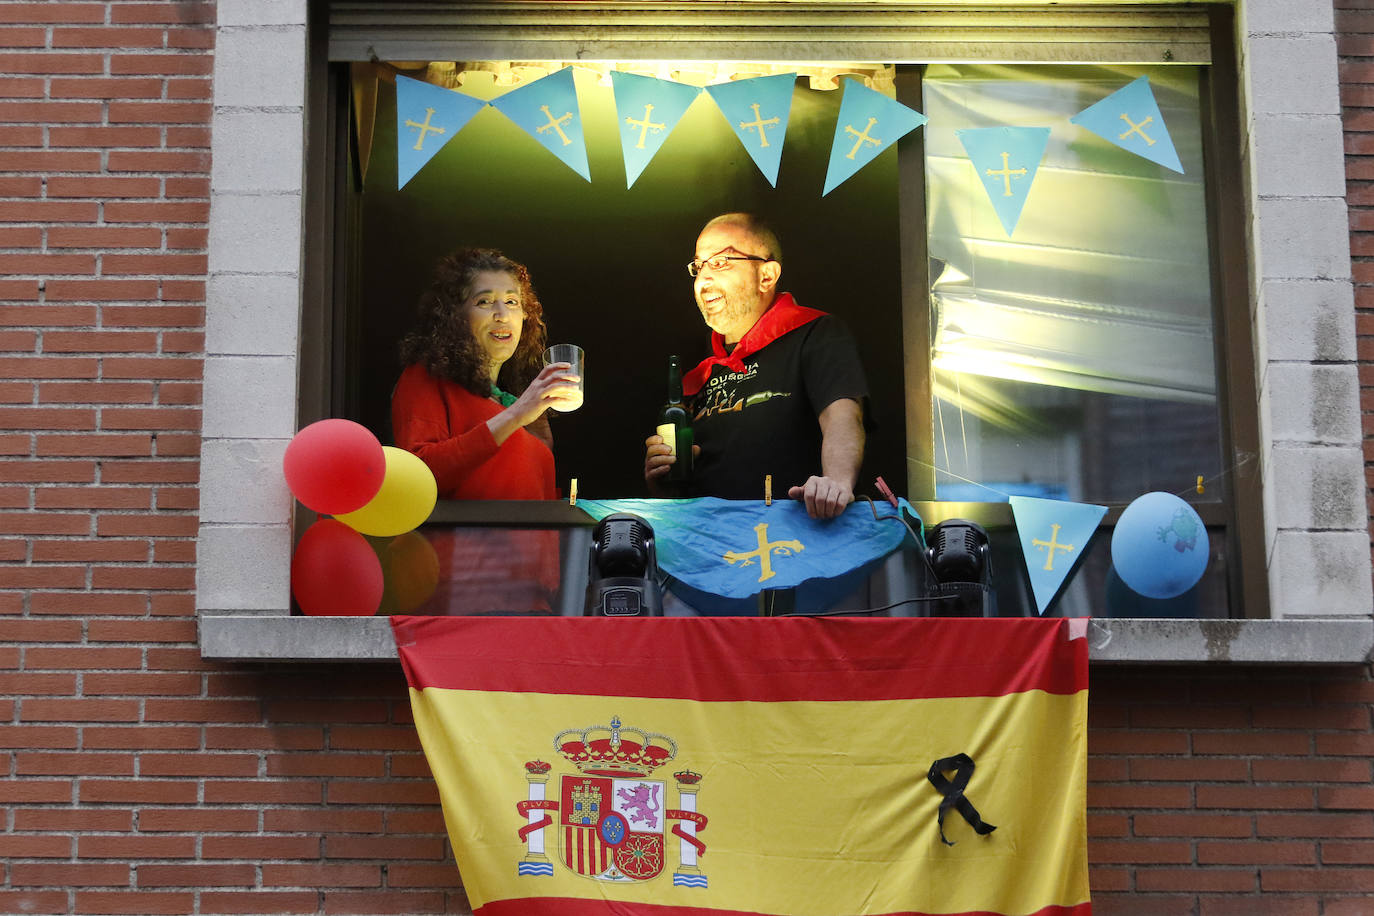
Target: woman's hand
554	386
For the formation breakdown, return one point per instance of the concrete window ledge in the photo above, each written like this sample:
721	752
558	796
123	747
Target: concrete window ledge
1111	641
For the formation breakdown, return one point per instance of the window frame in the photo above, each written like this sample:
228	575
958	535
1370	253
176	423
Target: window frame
244	544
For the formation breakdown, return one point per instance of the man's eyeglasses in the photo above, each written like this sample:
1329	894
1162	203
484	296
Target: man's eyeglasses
720	262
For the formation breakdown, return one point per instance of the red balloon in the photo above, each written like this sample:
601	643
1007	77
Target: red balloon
334	571
334	466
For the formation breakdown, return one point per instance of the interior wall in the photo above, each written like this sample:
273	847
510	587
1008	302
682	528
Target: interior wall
608	262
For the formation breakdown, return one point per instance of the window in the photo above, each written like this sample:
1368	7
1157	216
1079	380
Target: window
244	543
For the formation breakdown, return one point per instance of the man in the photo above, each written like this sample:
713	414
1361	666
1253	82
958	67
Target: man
783	393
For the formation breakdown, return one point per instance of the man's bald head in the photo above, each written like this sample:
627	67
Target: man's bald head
757	227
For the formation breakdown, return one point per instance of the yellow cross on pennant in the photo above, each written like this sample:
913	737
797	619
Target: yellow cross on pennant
644	126
862	136
764	552
1137	129
1006	174
425	128
555	124
1051	546
760	123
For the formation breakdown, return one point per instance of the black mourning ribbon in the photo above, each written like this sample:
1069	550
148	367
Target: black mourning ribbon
953	792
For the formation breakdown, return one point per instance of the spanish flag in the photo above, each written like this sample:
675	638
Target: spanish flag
758	766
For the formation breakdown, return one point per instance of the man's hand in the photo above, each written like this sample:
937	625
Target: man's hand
658	458
825	497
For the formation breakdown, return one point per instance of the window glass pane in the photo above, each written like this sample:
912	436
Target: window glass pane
1074	358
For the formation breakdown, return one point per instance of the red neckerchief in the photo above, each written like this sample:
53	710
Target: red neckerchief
782	317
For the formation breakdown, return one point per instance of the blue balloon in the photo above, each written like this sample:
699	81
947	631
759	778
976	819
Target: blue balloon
1159	547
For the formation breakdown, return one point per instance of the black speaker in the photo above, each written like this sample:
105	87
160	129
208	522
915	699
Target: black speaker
622	569
961	559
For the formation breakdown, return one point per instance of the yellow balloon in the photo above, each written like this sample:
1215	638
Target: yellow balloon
405	500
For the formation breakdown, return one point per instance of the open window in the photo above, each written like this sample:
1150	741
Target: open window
1085	357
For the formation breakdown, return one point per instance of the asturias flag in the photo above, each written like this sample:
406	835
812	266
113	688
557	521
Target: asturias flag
738	547
758	766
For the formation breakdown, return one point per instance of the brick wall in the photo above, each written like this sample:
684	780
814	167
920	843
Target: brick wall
139	779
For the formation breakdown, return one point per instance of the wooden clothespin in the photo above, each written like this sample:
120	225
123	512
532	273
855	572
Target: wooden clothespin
768	489
572	492
884	489
1199	484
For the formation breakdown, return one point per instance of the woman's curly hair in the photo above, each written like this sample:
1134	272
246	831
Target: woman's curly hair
442	340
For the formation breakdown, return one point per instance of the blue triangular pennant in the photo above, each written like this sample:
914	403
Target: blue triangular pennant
1006	160
647	110
735	547
869	123
1054	536
757	110
547	110
427	117
1130	119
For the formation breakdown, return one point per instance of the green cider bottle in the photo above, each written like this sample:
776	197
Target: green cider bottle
675	426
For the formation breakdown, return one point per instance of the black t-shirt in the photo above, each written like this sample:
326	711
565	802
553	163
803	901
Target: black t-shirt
764	420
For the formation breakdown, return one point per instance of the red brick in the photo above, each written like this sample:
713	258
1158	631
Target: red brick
1345	798
48	211
395	903
68	874
1149	769
344	792
36	736
1255	797
152	367
387	848
152	791
328	875
149	683
147	631
153	112
1309	770
87	604
135	903
1251	743
1348	826
162	65
155	264
200	821
35	791
1225	880
24	186
188	238
45	315
1252	852
154	316
136	847
48	161
257	848
19	237
264	791
84	763
47	472
148	525
100	290
186	187
106	37
50	13
160	161
38	658
90	551
149	418
1335	852
101	446
103	187
96	88
93	498
23	38
74	820
40	112
174	551
189	89
47	418
197	875
86	136
157	472
1317	879
51	63
104	237
169	211
322	820
255	902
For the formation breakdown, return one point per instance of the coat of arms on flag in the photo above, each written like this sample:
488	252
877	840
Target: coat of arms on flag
612	820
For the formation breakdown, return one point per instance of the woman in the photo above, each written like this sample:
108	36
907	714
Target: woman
471	404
